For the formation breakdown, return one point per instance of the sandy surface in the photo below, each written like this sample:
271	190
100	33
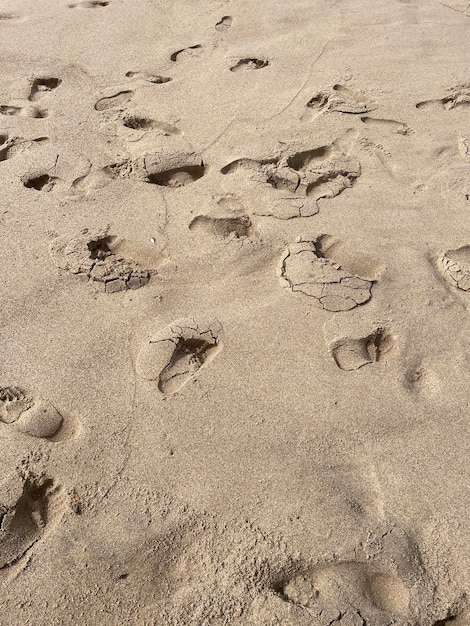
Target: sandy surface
235	253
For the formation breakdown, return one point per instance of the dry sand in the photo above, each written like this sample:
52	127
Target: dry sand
235	255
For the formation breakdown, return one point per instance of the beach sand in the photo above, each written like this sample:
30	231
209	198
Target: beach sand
234	307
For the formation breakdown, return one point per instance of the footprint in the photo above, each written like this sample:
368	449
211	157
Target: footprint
249	64
29	111
339	99
323	172
187	53
351	353
396	127
151	78
43	182
114	102
27	514
224	24
112	263
89	4
235	227
349	593
454	266
40	86
456	97
332	273
135	122
175	170
174	355
11	147
230	221
28	414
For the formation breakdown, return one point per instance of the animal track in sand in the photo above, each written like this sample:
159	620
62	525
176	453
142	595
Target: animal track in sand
28	111
88	4
136	122
28	414
456	97
454	266
174	355
395	127
335	275
349	593
41	86
151	78
187	53
249	64
11	147
114	102
338	99
323	172
351	353
224	24
112	263
39	506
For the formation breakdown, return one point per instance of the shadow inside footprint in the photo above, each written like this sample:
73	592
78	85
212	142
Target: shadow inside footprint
44	182
224	24
174	355
24	522
115	101
186	53
249	64
351	354
177	177
40	86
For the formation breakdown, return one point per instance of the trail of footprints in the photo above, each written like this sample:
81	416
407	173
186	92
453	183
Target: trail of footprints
329	273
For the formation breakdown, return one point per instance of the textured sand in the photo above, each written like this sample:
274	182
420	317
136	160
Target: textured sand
235	252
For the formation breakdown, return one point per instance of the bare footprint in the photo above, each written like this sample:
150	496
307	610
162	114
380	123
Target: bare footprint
28	111
28	512
224	24
456	97
174	355
249	64
322	172
42	182
349	593
89	4
234	227
338	99
350	353
10	17
41	86
113	264
116	101
396	127
136	122
454	266
11	147
187	53
174	170
157	79
330	272
28	414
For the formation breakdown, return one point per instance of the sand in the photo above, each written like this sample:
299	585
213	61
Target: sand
235	256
